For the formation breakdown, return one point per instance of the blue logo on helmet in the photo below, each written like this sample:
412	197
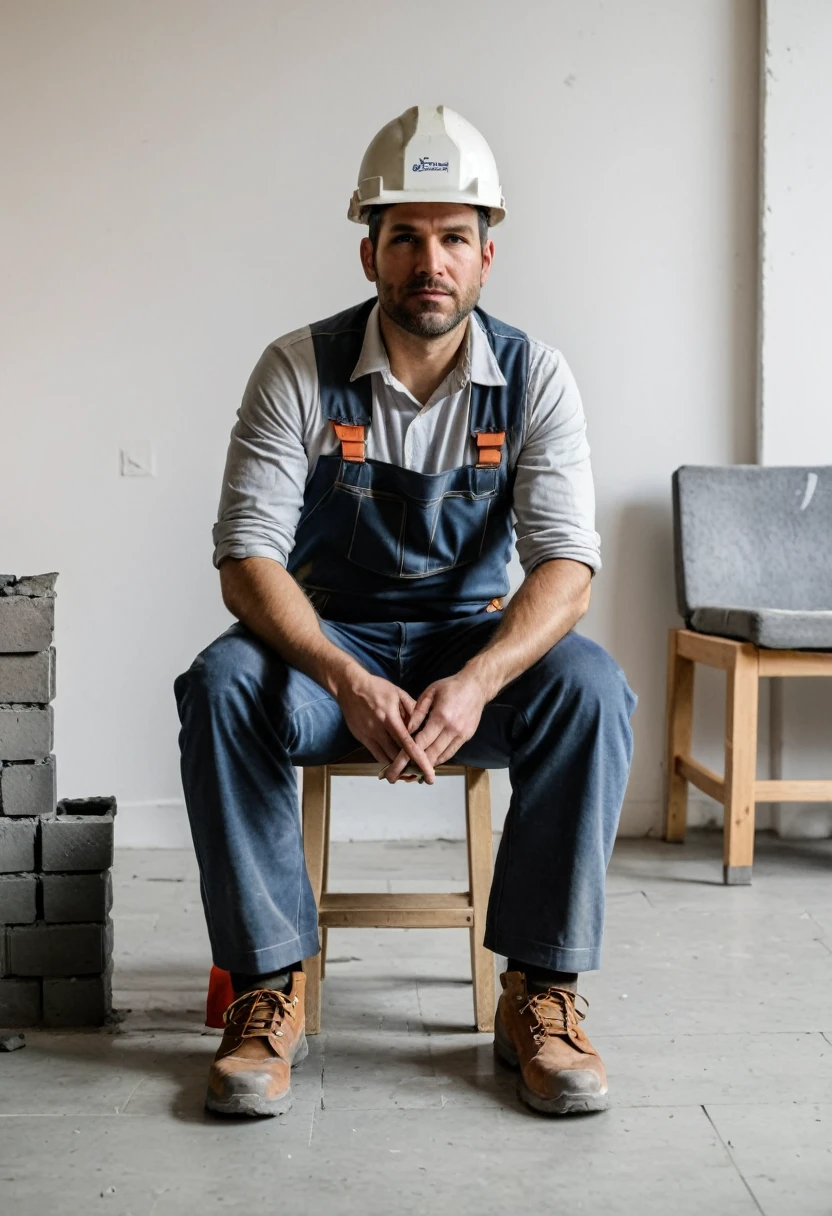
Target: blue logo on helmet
423	165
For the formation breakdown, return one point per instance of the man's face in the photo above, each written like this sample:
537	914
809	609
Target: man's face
428	265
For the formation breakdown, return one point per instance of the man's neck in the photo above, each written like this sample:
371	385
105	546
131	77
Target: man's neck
421	364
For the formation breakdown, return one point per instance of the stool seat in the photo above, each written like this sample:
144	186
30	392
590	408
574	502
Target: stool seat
422	910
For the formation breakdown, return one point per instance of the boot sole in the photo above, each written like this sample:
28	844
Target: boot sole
563	1104
254	1104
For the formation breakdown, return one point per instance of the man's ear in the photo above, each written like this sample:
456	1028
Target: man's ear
368	259
487	262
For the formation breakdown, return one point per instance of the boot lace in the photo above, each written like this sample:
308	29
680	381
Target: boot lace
260	1012
554	1012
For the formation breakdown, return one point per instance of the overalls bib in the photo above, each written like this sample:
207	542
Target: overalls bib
378	542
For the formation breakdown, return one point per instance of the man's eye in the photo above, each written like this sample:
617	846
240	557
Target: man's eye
403	236
457	240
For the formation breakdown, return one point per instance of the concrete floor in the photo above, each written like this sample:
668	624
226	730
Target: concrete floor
713	1014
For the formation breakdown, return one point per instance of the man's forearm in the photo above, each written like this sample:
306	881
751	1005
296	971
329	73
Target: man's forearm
265	597
545	607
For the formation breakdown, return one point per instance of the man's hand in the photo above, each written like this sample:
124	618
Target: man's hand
376	712
448	712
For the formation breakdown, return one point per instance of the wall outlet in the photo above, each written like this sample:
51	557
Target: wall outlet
137	460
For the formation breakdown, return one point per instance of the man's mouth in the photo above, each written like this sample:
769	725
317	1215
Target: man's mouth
429	293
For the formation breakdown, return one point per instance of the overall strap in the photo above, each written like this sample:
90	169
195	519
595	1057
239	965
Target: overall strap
337	343
352	442
497	410
489	448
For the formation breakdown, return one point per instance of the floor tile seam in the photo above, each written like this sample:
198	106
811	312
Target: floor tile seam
751	1103
460	1038
823	1103
450	1102
704	1034
100	1114
598	1036
729	1153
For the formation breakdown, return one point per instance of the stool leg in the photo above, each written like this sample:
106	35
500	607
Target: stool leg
314	834
480	871
679	722
325	882
740	765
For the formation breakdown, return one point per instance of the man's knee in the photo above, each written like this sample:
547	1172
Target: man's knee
587	673
231	669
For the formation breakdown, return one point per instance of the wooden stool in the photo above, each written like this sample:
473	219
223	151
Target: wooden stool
738	790
450	910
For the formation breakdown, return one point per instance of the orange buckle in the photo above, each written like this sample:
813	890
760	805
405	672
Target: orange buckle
495	605
352	441
489	448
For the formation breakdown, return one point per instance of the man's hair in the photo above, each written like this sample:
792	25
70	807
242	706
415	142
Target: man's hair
483	216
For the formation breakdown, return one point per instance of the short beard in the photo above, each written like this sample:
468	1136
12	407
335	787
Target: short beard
425	324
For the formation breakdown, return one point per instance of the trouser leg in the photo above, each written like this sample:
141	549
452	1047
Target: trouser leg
247	719
563	730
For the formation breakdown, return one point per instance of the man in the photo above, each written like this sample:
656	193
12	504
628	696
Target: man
379	464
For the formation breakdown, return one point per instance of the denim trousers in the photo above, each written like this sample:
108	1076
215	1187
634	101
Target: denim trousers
562	729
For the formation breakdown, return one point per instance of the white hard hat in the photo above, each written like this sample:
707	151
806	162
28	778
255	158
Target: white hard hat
429	154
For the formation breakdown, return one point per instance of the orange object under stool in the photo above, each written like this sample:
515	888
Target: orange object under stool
220	996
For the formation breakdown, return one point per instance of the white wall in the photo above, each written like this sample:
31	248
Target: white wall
795	426
176	176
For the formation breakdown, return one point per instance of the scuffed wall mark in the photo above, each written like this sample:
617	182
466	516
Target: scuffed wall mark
811	483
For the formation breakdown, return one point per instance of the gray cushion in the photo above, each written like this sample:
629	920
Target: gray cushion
752	553
779	628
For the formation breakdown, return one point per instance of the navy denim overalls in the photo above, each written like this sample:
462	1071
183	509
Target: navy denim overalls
377	542
405	569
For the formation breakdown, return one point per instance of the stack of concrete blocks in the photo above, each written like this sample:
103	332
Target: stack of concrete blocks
56	936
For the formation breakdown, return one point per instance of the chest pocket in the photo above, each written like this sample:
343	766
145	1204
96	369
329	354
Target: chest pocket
411	525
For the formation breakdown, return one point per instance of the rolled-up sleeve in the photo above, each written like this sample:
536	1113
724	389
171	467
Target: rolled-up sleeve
554	495
266	467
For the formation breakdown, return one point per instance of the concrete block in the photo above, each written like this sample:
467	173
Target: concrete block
26	731
29	584
77	842
20	1002
70	898
27	679
17	845
19	899
25	624
28	789
101	804
60	950
83	1000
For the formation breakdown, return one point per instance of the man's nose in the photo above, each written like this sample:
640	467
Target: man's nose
431	261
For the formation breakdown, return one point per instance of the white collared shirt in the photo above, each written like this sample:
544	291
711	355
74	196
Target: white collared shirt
280	433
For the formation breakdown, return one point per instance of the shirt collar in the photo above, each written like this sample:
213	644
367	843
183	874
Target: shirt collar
477	361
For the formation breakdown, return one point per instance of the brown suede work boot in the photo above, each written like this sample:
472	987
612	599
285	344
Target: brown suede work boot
561	1073
264	1037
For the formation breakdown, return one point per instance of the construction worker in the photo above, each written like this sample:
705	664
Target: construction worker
380	463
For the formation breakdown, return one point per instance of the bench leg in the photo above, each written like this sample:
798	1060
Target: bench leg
679	721
480	871
314	847
740	766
